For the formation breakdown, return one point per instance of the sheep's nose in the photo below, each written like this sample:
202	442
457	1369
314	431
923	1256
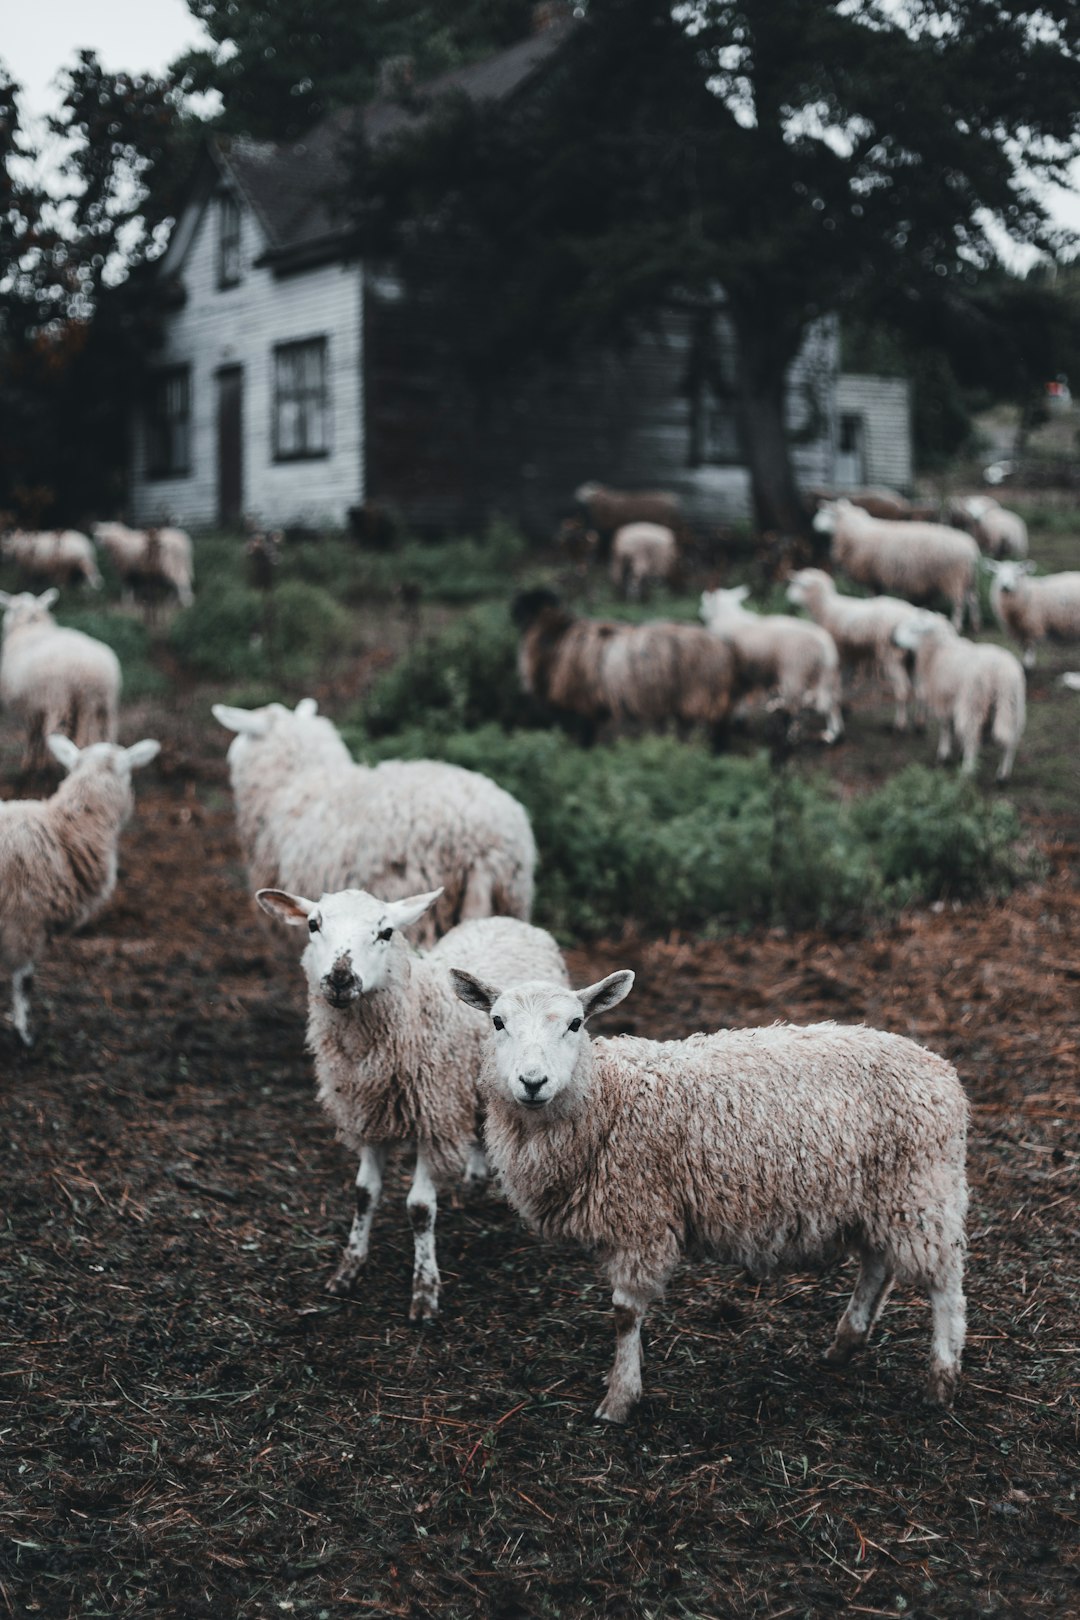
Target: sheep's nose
340	976
532	1088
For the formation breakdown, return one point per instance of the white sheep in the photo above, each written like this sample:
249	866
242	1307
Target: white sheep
861	627
1033	610
798	661
642	554
396	1054
915	560
63	556
766	1148
999	532
58	856
312	820
968	687
55	679
150	558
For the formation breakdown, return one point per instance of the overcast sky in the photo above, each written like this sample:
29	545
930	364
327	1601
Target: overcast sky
39	37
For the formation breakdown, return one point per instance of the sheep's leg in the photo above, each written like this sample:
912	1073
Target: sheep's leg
944	747
1009	746
624	1380
949	1331
476	1166
20	1002
900	686
479	898
368	1189
421	1204
1029	656
872	1288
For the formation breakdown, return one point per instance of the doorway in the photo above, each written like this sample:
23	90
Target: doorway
230	446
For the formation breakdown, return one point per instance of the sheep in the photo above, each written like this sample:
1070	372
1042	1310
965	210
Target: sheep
606	510
593	670
310	819
55	679
61	556
642	554
880	503
150	558
766	1148
914	560
799	660
862	629
999	532
1033	610
58	856
396	1054
968	686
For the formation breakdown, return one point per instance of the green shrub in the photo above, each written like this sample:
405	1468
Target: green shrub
129	639
449	570
657	834
237	634
464	677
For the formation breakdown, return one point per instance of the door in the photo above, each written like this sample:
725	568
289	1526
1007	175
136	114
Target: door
230	446
851	452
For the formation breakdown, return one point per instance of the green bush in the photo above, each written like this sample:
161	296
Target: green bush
237	634
658	834
449	570
465	677
129	639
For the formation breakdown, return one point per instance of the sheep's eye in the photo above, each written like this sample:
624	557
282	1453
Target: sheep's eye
498	1023
313	925
575	1024
384	933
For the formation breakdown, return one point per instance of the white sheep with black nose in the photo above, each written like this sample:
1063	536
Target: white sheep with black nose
767	1148
396	1053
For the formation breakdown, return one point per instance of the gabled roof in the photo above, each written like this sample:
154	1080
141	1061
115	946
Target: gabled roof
292	186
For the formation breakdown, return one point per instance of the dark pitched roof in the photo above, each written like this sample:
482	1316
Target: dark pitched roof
292	186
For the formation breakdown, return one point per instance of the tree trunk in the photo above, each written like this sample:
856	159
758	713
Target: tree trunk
762	365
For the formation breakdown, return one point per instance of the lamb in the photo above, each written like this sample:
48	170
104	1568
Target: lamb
999	532
150	558
606	510
55	679
913	560
312	820
798	660
59	556
396	1055
593	670
767	1148
642	554
862	629
1033	610
58	856
968	686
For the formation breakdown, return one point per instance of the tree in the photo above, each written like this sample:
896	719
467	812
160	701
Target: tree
779	158
280	66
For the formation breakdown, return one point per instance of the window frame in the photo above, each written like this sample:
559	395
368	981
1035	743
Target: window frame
229	240
311	401
168	433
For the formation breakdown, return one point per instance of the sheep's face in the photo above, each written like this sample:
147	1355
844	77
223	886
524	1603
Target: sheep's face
802	585
825	518
911	633
537	1033
348	951
252	725
716	606
1009	574
25	608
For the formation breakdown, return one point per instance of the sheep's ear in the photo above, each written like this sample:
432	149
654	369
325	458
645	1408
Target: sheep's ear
1071	678
141	753
599	997
403	913
740	593
63	749
287	908
473	992
245	722
989	565
1027	567
306	708
47	598
5	599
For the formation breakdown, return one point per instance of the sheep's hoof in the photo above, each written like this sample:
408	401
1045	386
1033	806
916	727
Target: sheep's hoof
614	1409
343	1284
424	1307
943	1383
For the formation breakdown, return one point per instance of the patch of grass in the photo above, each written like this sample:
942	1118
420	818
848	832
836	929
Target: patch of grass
661	834
235	633
466	676
464	570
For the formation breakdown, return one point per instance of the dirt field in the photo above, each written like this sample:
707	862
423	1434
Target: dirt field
189	1426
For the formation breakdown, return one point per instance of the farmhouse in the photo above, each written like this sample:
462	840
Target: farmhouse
297	382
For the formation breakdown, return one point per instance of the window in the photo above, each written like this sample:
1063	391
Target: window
850	434
301	415
168	424
228	240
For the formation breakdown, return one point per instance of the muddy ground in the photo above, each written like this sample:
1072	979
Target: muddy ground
189	1426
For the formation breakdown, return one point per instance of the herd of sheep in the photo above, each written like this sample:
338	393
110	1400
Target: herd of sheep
441	1020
